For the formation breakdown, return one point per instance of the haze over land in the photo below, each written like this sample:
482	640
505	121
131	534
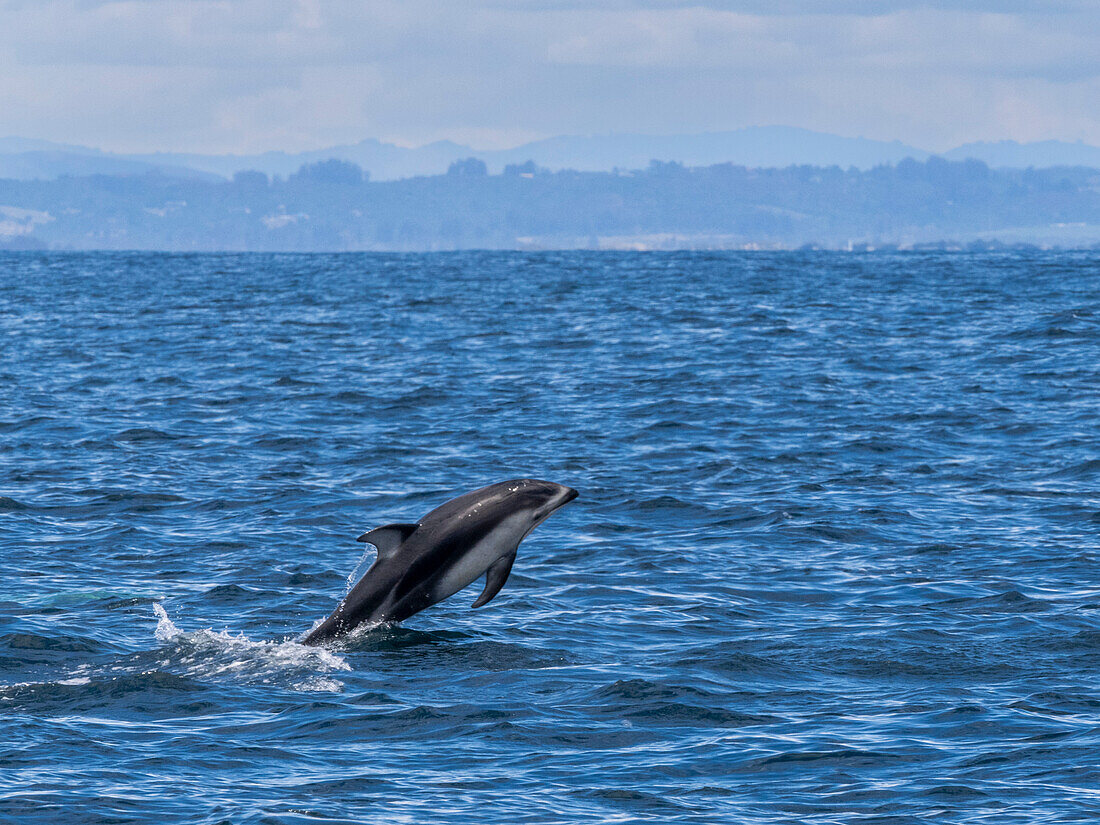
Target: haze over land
333	205
757	147
200	124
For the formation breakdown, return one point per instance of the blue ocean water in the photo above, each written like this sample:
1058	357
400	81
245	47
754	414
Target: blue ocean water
835	558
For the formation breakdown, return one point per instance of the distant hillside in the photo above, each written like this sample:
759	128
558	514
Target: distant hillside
765	146
332	206
52	164
1041	155
384	161
759	147
16	145
756	147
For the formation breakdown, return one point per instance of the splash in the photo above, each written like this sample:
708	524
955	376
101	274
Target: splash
365	561
166	629
209	654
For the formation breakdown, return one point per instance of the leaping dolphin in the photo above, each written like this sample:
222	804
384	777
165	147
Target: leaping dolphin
421	564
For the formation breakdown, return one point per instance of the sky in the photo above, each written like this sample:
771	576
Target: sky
252	75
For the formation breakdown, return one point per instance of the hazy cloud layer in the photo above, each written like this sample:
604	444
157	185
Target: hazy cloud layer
246	75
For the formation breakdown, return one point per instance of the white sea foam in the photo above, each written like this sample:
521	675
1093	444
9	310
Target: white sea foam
166	629
210	654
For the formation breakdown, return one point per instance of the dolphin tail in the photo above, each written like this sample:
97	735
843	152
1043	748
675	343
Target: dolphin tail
495	577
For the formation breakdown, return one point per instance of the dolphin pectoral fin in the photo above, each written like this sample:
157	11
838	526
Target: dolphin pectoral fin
495	577
388	538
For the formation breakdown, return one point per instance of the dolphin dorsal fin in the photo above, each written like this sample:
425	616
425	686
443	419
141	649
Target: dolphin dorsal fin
388	537
495	577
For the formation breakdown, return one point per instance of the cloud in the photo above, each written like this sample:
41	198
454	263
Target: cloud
247	75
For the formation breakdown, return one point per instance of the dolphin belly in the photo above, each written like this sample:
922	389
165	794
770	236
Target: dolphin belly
502	541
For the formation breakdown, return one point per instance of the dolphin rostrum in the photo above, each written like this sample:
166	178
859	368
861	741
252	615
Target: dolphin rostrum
421	564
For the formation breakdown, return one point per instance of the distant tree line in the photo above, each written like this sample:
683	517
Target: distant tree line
334	205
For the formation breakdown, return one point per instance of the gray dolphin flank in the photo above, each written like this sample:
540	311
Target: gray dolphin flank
421	564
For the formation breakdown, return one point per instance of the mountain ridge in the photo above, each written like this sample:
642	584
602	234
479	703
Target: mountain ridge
754	147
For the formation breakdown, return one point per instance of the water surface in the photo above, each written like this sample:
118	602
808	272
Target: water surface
835	559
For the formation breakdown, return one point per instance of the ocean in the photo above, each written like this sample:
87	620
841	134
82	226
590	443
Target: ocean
834	560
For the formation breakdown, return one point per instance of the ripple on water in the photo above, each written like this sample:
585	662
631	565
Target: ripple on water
833	560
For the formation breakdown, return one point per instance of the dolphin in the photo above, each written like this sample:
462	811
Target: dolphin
421	564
